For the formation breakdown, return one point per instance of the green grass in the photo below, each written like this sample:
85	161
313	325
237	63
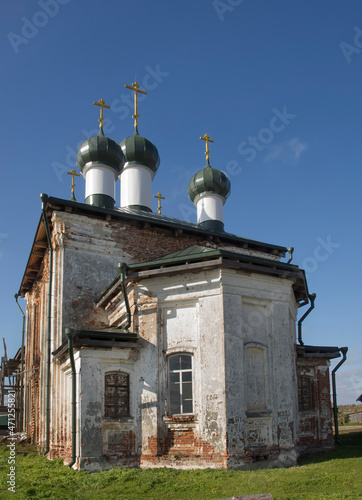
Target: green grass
334	475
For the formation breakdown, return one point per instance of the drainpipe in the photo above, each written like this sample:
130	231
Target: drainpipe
312	297
44	199
123	268
343	350
70	335
21	365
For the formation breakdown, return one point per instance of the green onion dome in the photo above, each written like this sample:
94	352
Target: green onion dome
138	150
100	149
208	181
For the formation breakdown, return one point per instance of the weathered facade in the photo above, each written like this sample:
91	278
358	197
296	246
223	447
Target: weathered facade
183	356
227	305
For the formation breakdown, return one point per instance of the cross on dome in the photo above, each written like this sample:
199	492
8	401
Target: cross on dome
73	173
158	195
136	89
206	138
102	105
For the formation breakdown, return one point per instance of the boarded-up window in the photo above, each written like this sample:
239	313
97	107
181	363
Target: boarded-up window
117	395
305	393
255	378
180	384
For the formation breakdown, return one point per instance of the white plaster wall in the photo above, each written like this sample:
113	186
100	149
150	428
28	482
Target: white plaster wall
90	407
213	314
148	376
85	262
95	430
180	326
216	316
212	392
62	404
179	334
185	304
258	311
89	235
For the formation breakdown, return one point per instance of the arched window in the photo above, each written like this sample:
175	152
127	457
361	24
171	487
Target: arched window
180	398
116	395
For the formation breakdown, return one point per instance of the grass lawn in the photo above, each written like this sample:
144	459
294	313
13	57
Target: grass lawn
336	475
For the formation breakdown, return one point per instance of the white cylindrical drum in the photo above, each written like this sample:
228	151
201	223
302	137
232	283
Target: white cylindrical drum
100	179
210	207
136	187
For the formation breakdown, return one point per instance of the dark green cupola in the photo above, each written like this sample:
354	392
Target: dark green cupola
141	164
100	160
208	189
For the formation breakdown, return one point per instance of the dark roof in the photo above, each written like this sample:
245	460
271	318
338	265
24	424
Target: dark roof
40	242
189	254
106	338
197	253
165	221
196	257
312	351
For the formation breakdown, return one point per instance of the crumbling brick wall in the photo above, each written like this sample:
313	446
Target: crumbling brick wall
315	419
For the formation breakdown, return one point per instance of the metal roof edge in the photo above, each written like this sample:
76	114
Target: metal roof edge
329	352
166	221
174	259
21	293
210	253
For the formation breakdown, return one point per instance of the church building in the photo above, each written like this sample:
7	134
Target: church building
155	342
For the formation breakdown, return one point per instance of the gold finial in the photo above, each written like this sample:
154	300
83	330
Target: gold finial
207	139
73	174
102	104
136	88
158	195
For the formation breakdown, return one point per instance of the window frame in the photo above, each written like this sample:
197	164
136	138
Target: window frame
181	382
305	403
117	415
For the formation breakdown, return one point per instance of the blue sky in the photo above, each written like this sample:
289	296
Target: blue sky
277	85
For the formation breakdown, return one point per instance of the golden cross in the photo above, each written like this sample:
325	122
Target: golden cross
102	104
73	174
135	87
158	195
207	139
